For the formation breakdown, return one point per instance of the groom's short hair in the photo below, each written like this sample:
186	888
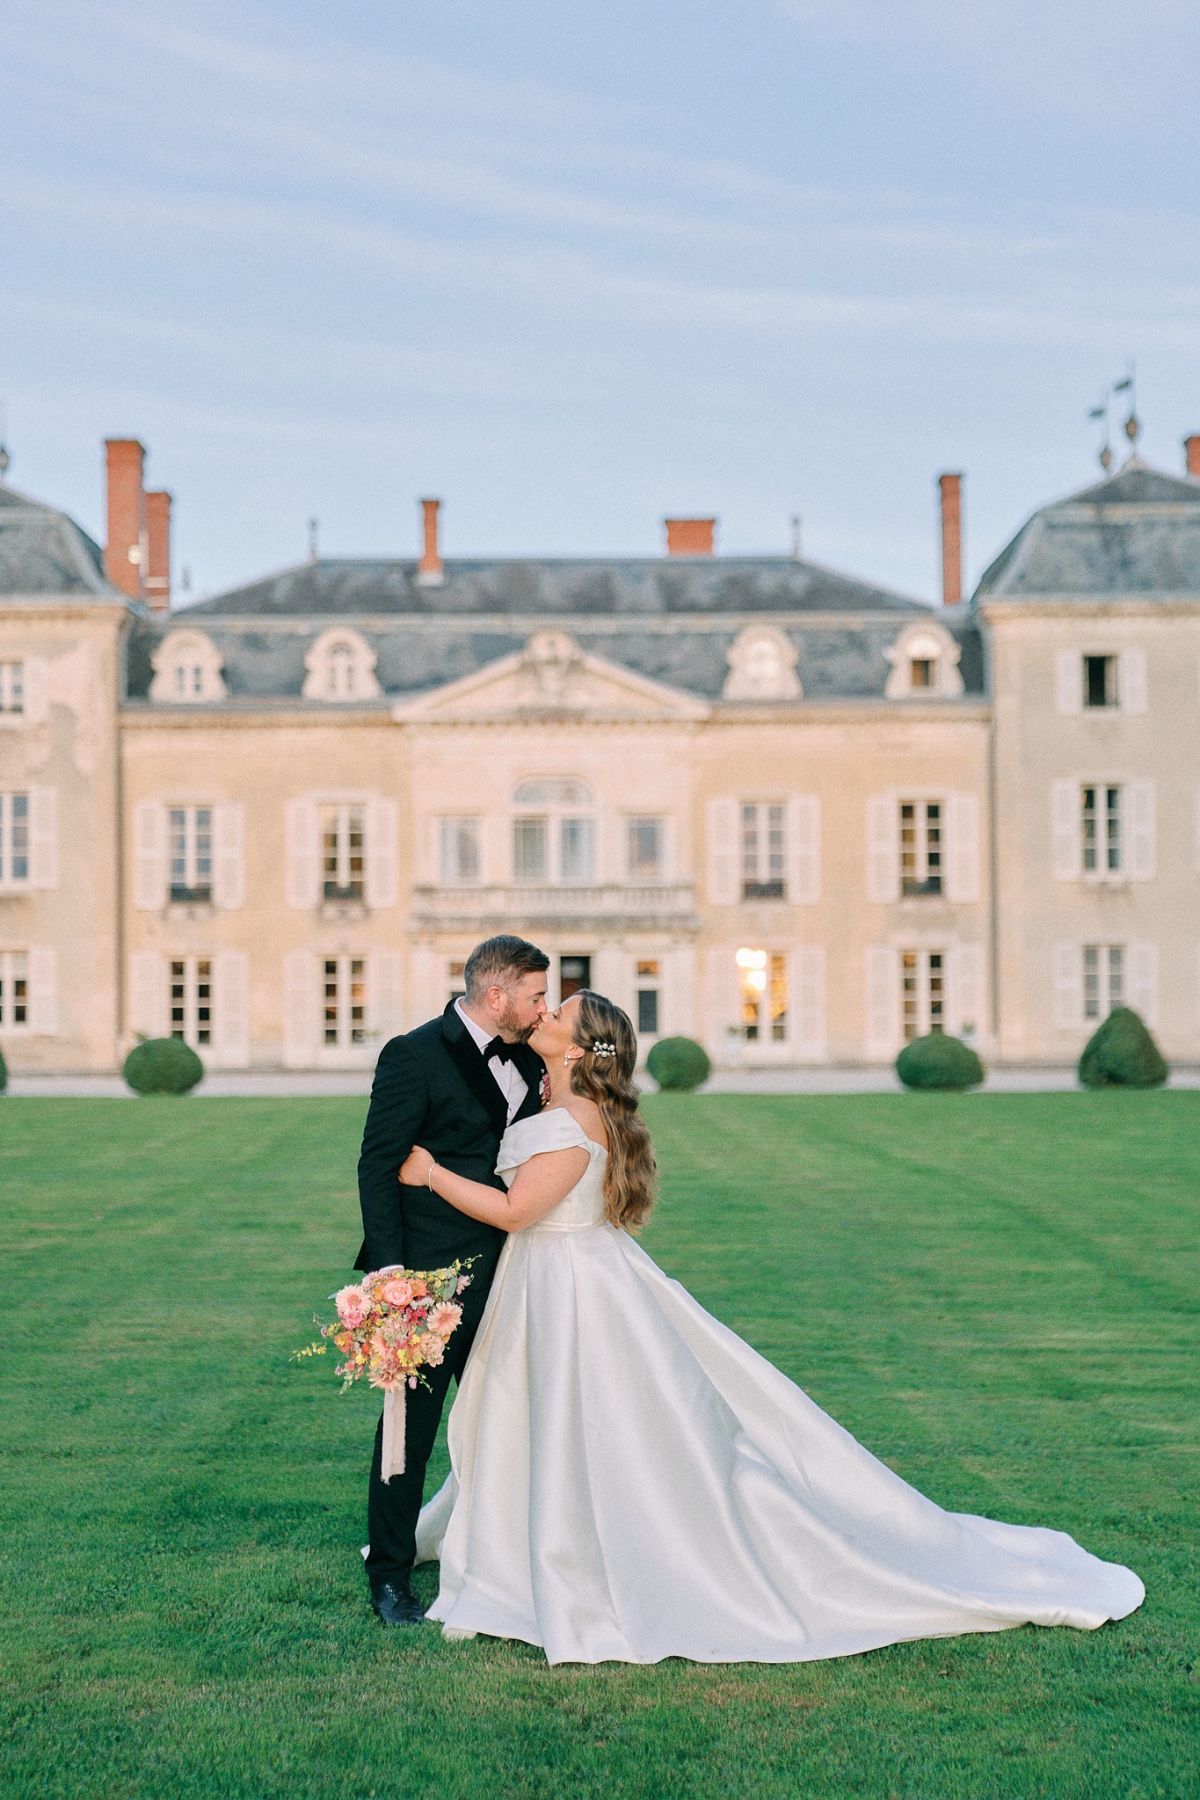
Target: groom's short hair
497	961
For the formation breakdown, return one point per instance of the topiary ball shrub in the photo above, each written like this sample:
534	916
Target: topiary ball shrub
939	1061
1122	1054
679	1064
162	1066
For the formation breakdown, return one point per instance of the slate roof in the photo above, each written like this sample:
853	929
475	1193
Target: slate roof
43	551
558	587
673	619
1136	534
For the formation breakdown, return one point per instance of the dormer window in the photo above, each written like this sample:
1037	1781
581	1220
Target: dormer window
762	666
187	669
924	661
341	668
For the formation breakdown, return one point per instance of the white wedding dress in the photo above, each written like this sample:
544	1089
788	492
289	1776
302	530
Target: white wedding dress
631	1481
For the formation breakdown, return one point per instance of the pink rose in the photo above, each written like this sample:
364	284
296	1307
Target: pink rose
444	1318
397	1292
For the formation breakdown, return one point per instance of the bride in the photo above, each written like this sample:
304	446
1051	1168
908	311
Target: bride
631	1481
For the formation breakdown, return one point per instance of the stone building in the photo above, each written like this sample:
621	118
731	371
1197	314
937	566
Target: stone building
758	802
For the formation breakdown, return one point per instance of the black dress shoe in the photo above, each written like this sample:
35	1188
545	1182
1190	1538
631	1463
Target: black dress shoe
396	1604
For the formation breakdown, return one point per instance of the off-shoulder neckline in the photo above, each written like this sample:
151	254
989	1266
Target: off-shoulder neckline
535	1118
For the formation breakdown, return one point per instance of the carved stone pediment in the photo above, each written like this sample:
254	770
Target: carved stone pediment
551	678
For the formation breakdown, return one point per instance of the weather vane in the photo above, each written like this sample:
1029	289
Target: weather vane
1132	426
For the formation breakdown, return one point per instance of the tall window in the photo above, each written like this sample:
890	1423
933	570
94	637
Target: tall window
14	990
1101	808
647	999
920	848
191	853
12	687
343	852
763	851
645	849
922	992
460	850
14	839
1100	681
345	1001
192	1000
763	984
1103	979
553	831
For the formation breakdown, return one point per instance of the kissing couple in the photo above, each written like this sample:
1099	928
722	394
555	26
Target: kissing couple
629	1479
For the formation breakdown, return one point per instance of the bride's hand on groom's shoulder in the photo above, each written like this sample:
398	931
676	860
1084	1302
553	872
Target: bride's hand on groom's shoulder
414	1170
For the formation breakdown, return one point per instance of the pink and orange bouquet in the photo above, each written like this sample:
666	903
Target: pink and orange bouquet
393	1324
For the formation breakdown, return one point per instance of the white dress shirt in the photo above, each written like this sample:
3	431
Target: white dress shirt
506	1075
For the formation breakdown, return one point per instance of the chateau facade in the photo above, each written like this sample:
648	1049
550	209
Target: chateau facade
757	802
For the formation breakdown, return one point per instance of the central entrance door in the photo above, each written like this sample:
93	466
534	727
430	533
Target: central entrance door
574	972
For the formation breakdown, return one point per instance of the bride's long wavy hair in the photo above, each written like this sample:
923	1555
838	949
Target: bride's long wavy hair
605	1075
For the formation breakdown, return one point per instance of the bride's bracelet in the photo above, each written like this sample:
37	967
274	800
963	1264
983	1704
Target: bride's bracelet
429	1178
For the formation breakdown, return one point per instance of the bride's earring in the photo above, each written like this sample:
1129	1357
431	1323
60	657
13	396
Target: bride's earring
568	1059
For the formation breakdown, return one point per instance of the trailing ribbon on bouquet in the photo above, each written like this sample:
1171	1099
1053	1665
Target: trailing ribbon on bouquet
391	1326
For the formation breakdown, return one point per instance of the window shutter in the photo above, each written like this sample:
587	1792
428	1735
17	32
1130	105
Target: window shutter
1068	987
43	837
882	1001
808	1002
1068	682
1142	835
37	704
231	971
963	883
230	860
43	992
804	849
1131	681
148	994
1143	982
722	852
303	873
383	874
383	995
1066	830
149	856
301	1009
724	1004
883	849
966	974
1197	827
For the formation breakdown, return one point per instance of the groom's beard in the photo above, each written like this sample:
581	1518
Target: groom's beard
511	1030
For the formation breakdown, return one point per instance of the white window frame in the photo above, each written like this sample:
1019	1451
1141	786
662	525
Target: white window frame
340	668
192	829
761	969
457	831
349	872
187	669
556	818
635	822
12	687
347	1018
924	991
191	1011
923	850
648	982
16	839
763	849
1106	815
14	975
1105	977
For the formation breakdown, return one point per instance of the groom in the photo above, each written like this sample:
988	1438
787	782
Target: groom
453	1085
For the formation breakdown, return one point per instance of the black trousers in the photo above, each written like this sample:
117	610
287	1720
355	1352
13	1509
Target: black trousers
393	1507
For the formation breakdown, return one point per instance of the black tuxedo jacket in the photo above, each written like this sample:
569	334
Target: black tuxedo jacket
433	1088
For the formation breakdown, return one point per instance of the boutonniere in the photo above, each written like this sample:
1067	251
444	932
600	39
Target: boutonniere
544	1088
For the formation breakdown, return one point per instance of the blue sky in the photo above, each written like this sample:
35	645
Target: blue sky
576	267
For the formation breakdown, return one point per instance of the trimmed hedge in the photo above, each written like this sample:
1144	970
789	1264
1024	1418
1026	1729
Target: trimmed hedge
939	1061
1122	1054
679	1064
162	1066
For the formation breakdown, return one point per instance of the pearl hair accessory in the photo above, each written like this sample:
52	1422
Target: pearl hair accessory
602	1049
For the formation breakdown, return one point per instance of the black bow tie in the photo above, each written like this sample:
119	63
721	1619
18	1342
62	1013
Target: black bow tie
498	1047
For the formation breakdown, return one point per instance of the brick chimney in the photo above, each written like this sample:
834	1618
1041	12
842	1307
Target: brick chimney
158	560
431	570
1191	450
126	552
950	487
690	537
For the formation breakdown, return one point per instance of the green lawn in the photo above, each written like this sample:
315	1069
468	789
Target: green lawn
999	1295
